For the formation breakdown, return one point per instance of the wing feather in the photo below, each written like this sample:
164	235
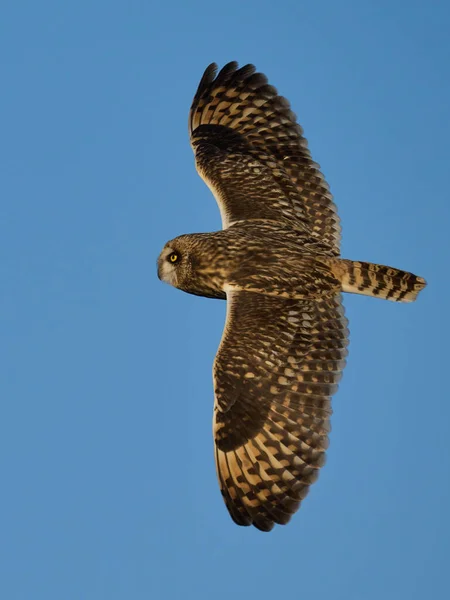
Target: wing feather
252	154
274	376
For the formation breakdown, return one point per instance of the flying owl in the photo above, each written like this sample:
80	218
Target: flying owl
277	264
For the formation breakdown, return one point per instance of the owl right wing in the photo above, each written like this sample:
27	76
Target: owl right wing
251	153
276	369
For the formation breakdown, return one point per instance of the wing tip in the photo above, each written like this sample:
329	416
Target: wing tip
208	76
213	78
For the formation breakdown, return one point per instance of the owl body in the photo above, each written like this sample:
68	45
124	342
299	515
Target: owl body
277	263
254	257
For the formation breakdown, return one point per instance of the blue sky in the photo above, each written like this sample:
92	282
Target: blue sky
108	481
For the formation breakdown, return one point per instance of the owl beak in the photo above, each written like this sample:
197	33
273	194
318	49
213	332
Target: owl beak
158	267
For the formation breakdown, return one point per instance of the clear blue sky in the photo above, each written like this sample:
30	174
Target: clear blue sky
108	486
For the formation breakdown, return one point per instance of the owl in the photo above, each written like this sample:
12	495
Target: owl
277	264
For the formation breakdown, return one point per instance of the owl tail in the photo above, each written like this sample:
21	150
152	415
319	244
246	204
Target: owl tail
378	280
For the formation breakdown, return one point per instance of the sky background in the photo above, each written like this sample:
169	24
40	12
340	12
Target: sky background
108	486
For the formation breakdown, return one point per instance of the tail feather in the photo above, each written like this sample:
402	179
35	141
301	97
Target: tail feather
379	281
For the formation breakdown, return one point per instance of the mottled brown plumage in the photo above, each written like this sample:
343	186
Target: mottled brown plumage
278	364
277	263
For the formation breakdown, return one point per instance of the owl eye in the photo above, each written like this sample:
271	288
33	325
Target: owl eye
174	257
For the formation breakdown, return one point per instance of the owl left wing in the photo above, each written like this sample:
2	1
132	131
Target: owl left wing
246	180
252	153
276	369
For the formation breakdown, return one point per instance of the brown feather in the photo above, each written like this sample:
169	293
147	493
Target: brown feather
271	427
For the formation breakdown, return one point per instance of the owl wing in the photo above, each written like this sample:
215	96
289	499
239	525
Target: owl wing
251	153
276	369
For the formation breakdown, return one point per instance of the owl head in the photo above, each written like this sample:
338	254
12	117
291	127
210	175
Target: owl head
175	262
187	263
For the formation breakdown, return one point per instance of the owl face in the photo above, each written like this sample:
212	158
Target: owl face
187	263
173	265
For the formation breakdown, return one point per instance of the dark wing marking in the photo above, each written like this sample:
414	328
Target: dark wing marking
276	369
251	152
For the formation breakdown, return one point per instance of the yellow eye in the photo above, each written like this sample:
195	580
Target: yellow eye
173	257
